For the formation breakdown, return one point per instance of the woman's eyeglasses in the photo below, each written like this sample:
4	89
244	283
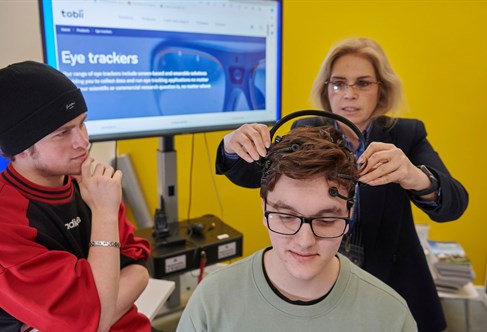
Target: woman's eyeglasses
342	86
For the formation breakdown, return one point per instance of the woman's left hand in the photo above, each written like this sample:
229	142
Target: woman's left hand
386	163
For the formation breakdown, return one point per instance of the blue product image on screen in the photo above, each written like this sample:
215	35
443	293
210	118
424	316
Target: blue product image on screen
219	74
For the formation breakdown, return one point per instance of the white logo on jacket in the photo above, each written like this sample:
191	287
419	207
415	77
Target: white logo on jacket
73	223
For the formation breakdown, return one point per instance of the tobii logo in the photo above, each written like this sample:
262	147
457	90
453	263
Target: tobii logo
72	13
73	223
70	106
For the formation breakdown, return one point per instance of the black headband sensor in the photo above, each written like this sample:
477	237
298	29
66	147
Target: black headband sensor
265	162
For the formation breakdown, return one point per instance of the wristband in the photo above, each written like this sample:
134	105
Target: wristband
432	188
104	244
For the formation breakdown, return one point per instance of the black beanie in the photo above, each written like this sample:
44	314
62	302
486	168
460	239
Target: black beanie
35	100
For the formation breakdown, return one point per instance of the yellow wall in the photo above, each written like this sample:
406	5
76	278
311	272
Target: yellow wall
439	50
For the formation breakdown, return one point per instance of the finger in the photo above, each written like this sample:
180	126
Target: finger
86	167
245	155
257	140
366	154
371	165
98	169
374	148
118	175
102	169
253	149
234	140
382	173
376	159
372	178
265	135
108	171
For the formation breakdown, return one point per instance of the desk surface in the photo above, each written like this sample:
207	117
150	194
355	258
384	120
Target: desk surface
154	296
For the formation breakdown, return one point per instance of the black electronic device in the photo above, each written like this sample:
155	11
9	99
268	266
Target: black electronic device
196	228
219	241
161	226
264	161
324	114
164	233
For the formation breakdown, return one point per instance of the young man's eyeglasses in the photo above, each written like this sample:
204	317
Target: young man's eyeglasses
342	86
289	224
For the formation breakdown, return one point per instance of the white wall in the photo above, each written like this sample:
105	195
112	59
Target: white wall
20	36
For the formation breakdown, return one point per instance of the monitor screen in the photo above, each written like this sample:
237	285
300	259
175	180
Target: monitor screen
155	68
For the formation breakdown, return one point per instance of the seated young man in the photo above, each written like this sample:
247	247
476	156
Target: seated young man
69	260
301	283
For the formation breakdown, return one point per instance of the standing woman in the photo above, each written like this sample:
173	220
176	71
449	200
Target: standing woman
400	167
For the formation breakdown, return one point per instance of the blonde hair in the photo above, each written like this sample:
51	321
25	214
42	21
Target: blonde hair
390	88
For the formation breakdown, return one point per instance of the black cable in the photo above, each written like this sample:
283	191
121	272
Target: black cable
190	175
197	248
329	115
115	158
212	175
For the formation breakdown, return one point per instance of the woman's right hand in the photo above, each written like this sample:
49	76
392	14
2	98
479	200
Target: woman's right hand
249	141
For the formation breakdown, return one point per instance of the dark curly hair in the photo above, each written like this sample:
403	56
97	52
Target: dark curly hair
309	152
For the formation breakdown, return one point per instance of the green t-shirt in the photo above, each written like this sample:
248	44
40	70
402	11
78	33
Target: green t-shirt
237	297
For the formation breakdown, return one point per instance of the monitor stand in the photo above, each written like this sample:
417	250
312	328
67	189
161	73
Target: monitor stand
166	230
166	225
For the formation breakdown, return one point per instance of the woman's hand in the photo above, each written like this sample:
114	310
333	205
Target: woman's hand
387	163
249	142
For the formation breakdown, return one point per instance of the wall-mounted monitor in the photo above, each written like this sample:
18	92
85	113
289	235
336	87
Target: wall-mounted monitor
156	68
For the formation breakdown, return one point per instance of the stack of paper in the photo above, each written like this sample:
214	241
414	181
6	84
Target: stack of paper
450	267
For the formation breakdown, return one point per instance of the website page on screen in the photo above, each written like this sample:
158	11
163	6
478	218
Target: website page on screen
168	65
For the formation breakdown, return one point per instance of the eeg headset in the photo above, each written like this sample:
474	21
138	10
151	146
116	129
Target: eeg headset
265	162
323	114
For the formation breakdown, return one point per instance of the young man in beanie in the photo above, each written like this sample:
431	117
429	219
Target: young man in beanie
69	260
300	283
